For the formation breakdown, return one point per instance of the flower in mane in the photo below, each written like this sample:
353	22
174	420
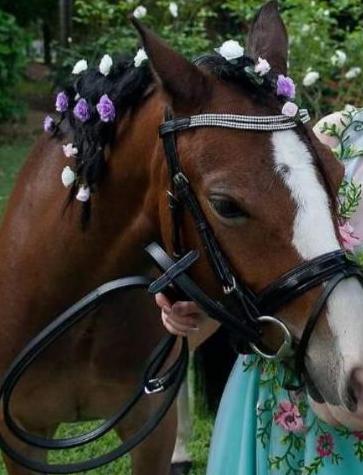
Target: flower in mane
83	194
290	109
230	50
285	86
62	102
106	65
140	57
106	109
82	111
70	151
68	177
262	67
80	67
49	124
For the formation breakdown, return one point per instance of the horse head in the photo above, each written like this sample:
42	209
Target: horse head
271	200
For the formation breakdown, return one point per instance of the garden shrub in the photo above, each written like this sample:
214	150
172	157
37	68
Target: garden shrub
12	63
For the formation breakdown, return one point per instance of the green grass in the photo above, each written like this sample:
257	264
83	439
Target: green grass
11	158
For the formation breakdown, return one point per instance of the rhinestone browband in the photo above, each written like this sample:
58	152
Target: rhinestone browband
233	121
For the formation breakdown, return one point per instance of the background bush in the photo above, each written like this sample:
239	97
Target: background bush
316	28
12	62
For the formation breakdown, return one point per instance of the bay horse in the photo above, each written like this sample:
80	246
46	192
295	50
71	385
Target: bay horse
269	198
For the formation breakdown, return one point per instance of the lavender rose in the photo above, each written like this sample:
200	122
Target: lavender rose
82	111
48	124
285	86
106	109
61	103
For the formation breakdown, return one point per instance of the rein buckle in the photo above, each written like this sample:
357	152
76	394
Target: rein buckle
228	289
156	386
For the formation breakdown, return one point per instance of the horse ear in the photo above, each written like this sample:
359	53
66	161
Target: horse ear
268	38
185	84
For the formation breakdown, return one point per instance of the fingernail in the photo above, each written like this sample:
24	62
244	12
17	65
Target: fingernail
195	329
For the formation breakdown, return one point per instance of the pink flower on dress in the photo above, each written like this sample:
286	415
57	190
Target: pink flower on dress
358	434
325	445
350	241
288	417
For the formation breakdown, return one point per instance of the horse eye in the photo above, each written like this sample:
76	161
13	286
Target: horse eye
227	208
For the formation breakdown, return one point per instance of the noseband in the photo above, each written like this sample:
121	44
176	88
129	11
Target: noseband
242	312
249	309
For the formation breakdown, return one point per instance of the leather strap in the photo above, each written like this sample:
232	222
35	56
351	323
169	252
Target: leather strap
151	382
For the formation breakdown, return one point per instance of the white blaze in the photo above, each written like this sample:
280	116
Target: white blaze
314	235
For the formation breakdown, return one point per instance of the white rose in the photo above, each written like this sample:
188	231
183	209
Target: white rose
339	58
70	151
106	65
140	12
310	78
230	49
83	194
290	109
68	177
140	57
353	72
262	67
173	9
80	66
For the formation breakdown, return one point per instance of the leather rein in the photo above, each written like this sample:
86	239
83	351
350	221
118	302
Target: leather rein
242	311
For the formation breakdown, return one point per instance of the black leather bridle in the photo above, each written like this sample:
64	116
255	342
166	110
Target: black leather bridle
252	309
241	311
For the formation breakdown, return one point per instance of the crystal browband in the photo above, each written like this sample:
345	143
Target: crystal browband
233	121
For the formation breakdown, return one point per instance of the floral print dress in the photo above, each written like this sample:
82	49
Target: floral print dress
263	429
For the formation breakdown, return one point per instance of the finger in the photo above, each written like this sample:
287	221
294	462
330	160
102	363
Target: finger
162	301
170	328
186	308
190	321
180	327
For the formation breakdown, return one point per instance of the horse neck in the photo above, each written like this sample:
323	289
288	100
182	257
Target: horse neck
46	260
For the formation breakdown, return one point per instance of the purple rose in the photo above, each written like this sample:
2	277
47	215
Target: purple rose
48	124
61	103
82	111
106	109
285	86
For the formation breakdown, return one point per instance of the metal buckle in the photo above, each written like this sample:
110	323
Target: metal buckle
157	389
180	178
285	349
228	289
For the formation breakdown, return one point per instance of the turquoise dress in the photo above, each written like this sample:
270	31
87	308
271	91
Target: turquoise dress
262	429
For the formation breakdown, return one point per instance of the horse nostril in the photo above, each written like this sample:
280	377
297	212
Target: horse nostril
355	389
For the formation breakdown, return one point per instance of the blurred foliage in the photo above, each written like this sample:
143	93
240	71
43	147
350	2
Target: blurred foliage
27	12
12	62
317	28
